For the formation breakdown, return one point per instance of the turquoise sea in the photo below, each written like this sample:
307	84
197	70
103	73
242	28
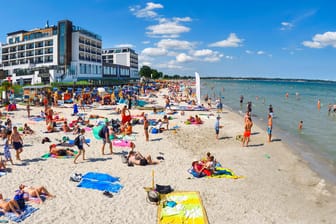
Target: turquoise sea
315	142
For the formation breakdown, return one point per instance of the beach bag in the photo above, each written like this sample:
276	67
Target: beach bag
101	132
155	131
163	189
77	141
153	196
76	177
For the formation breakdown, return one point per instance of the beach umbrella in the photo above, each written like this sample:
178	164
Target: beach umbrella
101	89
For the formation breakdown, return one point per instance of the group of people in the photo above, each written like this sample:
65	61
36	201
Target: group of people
22	195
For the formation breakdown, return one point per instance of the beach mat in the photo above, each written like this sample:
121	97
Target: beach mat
27	212
101	182
187	208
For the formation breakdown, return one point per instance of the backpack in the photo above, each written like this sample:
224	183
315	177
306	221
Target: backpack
77	141
101	132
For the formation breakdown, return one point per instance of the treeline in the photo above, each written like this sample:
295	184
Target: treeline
148	72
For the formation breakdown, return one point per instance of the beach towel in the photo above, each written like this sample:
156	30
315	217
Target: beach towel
121	143
101	182
182	207
36	118
2	173
220	172
27	212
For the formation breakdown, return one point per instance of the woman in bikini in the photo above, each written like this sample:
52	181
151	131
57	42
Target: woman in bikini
10	206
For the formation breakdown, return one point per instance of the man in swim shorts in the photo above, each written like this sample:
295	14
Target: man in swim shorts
247	132
17	142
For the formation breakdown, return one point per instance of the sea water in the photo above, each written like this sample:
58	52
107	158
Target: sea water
315	142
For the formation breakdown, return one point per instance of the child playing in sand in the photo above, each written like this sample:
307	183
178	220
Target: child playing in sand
81	145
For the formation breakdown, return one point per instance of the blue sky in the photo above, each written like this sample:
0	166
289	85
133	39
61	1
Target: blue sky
241	38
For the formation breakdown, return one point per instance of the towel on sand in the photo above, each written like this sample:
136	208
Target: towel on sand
101	182
26	213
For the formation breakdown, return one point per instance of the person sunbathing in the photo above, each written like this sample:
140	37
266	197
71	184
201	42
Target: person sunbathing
10	206
35	192
65	127
137	158
198	120
128	129
27	129
94	116
50	126
53	150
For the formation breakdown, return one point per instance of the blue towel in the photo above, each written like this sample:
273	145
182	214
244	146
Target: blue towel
87	140
27	212
100	177
100	185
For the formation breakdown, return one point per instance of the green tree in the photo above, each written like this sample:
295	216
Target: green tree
155	74
5	85
145	71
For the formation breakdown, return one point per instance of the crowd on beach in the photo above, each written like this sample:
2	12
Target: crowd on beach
125	117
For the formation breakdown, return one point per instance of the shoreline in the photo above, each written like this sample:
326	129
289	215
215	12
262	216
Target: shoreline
273	189
321	165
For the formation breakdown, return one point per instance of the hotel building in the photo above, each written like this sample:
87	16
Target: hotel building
59	53
120	61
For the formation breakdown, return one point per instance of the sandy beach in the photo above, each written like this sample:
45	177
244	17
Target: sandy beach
276	186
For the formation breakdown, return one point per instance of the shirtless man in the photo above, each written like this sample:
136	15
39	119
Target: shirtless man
247	132
9	206
17	142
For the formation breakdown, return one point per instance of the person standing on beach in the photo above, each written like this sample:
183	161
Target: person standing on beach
247	131
28	108
269	127
146	125
318	104
17	142
106	138
80	146
217	126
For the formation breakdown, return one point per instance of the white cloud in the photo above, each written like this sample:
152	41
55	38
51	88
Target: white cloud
170	29
229	57
249	52
154	51
231	41
260	52
171	65
174	44
146	42
184	19
146	12
322	40
183	58
125	45
286	26
203	52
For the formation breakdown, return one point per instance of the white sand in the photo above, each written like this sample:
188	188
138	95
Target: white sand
278	189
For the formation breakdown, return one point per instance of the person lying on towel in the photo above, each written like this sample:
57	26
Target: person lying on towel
60	151
9	206
136	158
33	192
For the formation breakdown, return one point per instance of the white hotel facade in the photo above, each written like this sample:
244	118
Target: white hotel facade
61	53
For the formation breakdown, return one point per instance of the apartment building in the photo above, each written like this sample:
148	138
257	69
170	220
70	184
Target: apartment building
120	61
